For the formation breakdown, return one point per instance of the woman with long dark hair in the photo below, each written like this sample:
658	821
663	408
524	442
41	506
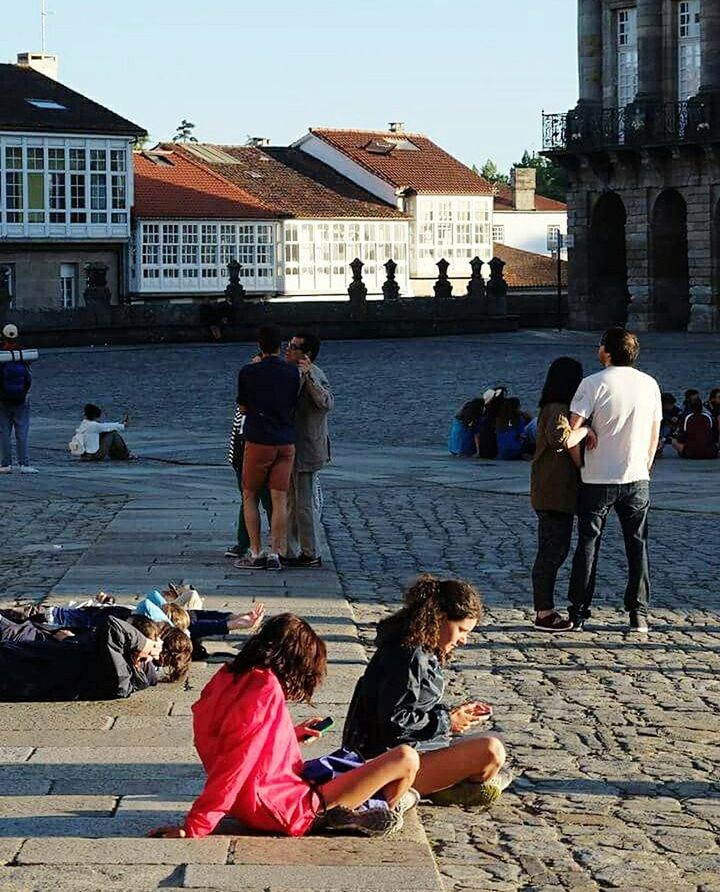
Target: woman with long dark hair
250	749
398	700
554	487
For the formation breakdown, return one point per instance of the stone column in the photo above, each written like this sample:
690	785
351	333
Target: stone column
650	49
590	51
703	312
710	36
637	251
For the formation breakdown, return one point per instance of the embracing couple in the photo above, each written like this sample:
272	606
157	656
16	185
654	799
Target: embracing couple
615	415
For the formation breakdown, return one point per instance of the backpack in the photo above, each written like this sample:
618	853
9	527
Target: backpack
77	444
15	379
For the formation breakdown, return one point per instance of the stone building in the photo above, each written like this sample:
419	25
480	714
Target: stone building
642	149
66	190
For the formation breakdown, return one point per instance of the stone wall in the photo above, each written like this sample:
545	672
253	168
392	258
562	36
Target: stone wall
639	178
37	271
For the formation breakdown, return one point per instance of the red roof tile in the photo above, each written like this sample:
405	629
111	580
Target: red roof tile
293	183
524	269
503	201
426	168
168	184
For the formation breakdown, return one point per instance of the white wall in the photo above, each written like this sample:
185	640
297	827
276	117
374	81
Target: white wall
528	229
340	162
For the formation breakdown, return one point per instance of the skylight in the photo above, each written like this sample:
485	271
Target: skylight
47	103
211	154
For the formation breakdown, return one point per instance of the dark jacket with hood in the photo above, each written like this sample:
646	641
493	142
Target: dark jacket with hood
98	667
397	700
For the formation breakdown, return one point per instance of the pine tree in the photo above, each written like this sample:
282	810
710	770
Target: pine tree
184	132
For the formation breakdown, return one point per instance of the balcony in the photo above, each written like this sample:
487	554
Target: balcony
638	125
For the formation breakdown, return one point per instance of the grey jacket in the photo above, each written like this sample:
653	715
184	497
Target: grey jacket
312	442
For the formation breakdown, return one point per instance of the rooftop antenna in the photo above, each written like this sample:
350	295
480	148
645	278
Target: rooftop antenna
43	25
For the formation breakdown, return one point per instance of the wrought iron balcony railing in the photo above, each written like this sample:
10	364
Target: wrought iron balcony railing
638	124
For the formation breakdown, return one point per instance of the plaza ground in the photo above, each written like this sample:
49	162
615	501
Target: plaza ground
615	741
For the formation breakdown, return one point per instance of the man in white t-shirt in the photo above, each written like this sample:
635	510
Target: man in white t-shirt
623	406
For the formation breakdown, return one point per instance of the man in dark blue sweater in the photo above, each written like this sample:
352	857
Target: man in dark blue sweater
268	391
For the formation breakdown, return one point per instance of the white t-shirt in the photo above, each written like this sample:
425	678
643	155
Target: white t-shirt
624	403
90	432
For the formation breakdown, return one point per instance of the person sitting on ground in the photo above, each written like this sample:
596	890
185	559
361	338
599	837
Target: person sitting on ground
671	420
687	400
104	666
698	434
554	483
713	403
250	749
485	436
398	699
96	440
464	428
510	426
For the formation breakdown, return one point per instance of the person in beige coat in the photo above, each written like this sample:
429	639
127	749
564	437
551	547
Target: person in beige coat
312	452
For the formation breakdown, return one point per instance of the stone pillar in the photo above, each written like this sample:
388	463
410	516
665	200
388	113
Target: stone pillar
580	306
703	312
357	291
497	288
637	248
390	287
650	49
710	36
443	287
590	51
476	283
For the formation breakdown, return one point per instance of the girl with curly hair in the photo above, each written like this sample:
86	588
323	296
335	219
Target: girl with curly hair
398	698
250	749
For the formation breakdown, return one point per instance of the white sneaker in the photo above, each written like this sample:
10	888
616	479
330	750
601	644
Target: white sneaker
5	469
28	469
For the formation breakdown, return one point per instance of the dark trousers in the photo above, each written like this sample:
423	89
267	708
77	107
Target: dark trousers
631	502
111	444
554	537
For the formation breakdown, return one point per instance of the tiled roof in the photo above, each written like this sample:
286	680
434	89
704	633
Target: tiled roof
503	202
168	184
19	83
421	167
523	269
293	184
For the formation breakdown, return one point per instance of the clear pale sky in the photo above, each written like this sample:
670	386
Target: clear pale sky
474	75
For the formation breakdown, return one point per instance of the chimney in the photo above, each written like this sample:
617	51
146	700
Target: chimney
396	127
45	63
522	181
258	141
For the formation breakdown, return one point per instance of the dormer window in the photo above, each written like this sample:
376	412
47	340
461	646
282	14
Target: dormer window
47	104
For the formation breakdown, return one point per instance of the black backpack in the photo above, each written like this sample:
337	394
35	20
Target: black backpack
15	379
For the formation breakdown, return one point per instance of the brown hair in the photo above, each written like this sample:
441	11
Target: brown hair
622	345
146	626
178	615
292	650
176	654
427	603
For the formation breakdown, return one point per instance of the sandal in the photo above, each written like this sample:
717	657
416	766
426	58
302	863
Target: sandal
552	623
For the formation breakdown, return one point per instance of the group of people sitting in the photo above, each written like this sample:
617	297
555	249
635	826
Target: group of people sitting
493	426
693	428
401	743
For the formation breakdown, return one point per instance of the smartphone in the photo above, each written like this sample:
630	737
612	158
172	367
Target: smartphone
322	724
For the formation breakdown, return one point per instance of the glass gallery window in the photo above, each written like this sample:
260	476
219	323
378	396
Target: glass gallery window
454	228
196	255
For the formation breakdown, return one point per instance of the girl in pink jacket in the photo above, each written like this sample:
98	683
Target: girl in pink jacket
250	749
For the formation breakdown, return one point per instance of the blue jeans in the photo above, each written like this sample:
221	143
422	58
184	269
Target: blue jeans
631	502
17	417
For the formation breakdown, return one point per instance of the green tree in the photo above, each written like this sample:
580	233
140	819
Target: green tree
184	132
551	178
490	172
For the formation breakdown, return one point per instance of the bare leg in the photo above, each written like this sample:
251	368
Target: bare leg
251	514
278	521
476	759
677	446
391	774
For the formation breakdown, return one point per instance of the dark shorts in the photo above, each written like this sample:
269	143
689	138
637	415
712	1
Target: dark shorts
269	466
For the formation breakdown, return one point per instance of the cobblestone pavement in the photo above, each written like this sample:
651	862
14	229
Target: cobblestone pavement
615	741
418	383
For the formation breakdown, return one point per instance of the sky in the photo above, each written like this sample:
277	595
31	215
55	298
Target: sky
473	75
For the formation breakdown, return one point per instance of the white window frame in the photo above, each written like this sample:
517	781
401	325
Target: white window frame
627	55
454	227
69	290
498	233
689	49
70	186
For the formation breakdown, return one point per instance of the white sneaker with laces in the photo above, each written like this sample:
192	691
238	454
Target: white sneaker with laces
5	469
29	469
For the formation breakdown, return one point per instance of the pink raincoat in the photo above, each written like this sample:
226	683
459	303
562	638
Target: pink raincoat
246	741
